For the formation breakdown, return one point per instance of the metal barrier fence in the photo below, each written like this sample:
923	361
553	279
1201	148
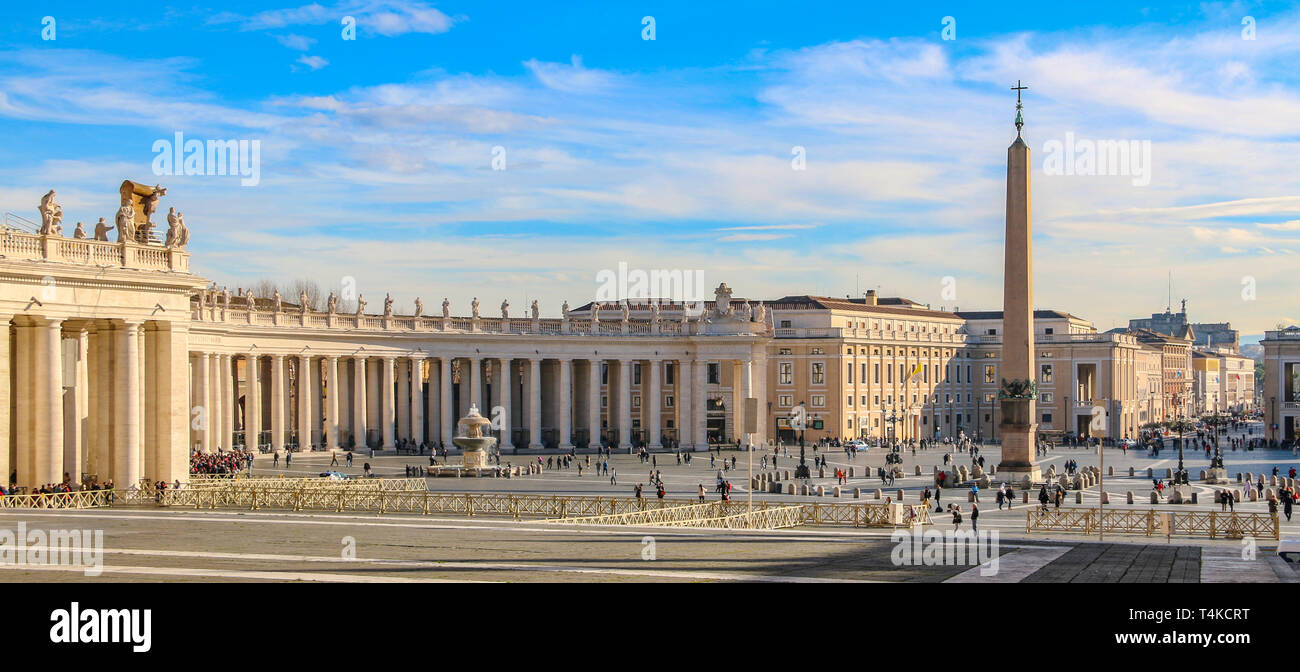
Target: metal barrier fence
395	484
711	514
519	506
81	499
1214	524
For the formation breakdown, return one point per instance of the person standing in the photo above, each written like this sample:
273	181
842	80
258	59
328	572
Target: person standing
956	518
975	517
613	476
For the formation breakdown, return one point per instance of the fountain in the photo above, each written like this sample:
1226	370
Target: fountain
470	438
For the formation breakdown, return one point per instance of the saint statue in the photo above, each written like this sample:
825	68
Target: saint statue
446	308
536	310
505	309
276	301
474	306
332	303
746	312
51	214
564	310
80	232
252	300
654	312
419	307
361	305
126	223
102	229
627	311
302	301
388	305
595	312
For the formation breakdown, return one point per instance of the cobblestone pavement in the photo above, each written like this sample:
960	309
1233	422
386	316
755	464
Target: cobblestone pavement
150	544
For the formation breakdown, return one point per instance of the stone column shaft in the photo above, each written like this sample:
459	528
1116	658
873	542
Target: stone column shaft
507	389
332	403
593	402
534	403
655	437
277	403
389	418
360	404
566	404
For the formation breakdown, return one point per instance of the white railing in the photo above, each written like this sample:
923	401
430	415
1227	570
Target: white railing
16	245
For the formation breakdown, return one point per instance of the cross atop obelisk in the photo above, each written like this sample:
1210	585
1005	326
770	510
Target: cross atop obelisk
1020	118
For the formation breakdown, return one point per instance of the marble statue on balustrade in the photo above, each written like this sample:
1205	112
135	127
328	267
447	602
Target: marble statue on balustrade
446	308
126	223
361	305
79	233
101	230
51	214
419	307
536	310
225	298
505	309
564	310
251	299
746	312
275	301
302	302
332	303
626	311
178	235
760	315
474	307
388	305
654	312
595	312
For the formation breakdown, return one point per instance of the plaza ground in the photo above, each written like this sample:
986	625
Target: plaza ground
150	544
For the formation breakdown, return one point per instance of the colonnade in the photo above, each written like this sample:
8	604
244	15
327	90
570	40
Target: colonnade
277	400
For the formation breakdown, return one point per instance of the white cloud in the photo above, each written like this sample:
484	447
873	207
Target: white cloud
313	62
296	42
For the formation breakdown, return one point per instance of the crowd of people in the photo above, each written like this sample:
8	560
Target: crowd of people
229	462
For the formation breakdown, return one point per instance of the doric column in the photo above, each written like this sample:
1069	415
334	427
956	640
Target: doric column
566	403
105	397
760	391
168	410
5	395
332	403
277	403
203	398
655	402
625	403
504	399
49	457
227	404
360	404
476	383
417	401
126	471
389	416
535	403
444	398
253	403
700	405
593	403
76	441
738	400
215	419
684	387
25	430
306	401
401	398
434	426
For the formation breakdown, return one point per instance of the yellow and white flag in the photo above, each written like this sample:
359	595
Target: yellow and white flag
916	373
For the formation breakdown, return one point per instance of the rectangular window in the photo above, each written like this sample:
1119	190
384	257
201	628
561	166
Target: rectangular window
848	401
968	378
864	372
1045	398
864	400
636	373
877	373
604	373
715	373
889	375
1047	373
785	401
990	374
785	324
669	373
819	400
818	373
783	351
816	351
849	378
636	401
785	373
604	401
1047	418
668	401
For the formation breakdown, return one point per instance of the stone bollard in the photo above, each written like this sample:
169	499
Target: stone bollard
900	495
1195	499
821	472
1078	497
821	491
789	488
857	493
836	491
1272	481
852	471
918	470
993	470
785	475
1110	471
1202	474
1128	497
1155	497
1130	471
1252	495
1236	495
879	494
1150	472
1024	497
1169	473
1105	497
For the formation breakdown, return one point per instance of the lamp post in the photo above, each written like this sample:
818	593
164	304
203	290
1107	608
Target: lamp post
801	417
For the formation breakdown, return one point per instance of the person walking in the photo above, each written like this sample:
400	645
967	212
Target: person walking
701	492
956	518
275	460
349	458
1042	498
334	459
613	476
1286	507
975	517
975	492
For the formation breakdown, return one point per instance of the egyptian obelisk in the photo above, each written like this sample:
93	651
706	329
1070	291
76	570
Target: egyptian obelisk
1017	396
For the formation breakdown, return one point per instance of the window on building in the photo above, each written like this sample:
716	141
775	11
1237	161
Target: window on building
1049	331
1047	373
604	402
864	372
876	375
636	401
848	401
864	400
992	332
849	374
669	373
604	373
990	374
785	400
1047	418
783	351
1045	397
818	373
715	373
819	400
817	351
636	373
785	373
785	324
668	401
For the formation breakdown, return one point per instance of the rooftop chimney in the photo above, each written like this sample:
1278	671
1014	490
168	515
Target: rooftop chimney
871	297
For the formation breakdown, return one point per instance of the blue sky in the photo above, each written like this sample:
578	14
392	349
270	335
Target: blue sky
676	153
